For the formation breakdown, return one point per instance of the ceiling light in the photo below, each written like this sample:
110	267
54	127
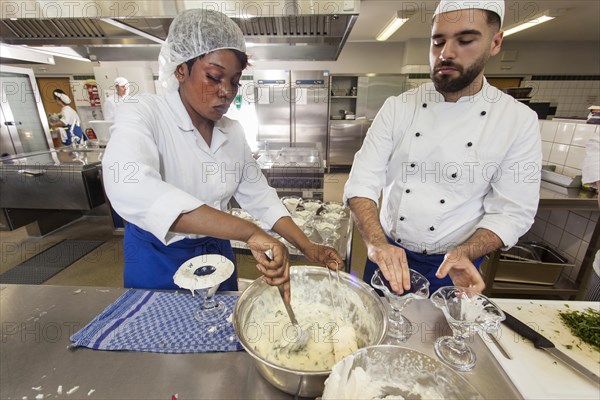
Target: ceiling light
396	22
546	16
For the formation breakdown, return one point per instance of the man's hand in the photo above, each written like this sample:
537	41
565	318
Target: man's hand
461	270
323	255
393	264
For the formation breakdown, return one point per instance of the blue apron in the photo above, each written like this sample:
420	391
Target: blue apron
425	264
74	130
149	264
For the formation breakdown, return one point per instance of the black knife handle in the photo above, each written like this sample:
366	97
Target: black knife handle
539	341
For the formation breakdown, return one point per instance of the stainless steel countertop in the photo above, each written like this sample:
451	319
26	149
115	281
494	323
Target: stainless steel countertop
63	157
37	322
581	200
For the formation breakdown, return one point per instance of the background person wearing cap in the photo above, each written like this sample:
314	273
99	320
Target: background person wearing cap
174	162
70	120
115	100
458	161
594	115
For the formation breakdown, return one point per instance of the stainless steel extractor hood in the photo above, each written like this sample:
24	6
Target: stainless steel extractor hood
119	30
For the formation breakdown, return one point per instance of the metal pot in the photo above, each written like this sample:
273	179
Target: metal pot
296	382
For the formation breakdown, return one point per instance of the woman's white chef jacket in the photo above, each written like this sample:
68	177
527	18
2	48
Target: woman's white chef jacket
157	166
69	116
447	169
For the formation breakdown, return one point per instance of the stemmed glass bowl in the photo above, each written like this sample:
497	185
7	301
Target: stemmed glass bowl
399	326
467	312
291	202
204	274
327	229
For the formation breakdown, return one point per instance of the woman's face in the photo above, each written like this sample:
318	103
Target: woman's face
212	85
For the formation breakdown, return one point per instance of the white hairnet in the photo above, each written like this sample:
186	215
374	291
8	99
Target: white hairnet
120	81
63	97
193	33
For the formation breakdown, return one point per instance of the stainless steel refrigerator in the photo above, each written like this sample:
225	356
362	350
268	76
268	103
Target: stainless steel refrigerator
291	107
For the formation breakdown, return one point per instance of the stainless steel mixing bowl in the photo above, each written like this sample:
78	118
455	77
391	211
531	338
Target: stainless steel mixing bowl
307	383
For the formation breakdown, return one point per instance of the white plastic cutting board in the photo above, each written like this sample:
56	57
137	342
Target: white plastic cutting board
535	373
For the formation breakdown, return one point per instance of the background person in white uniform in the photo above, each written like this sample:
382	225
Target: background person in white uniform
174	162
70	120
458	161
115	99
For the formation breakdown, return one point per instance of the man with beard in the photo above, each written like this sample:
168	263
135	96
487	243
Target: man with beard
458	162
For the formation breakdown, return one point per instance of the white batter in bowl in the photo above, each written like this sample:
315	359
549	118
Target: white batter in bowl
261	322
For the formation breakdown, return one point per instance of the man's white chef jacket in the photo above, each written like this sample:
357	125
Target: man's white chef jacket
447	169
157	166
111	103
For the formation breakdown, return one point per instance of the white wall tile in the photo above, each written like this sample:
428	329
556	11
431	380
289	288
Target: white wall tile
546	148
584	214
570	245
572	172
582	134
582	249
543	215
564	132
587	236
552	235
594	216
575	157
558	154
576	225
548	130
575	271
539	227
558	218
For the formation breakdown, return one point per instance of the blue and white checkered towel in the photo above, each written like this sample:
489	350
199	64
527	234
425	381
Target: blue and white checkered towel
160	322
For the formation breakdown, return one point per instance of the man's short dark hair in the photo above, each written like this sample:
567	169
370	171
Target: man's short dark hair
493	20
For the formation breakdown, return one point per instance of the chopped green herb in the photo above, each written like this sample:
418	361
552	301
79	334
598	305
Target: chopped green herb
569	346
555	363
584	324
568	306
519	308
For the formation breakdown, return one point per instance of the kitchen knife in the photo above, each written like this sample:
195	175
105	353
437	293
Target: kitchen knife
541	342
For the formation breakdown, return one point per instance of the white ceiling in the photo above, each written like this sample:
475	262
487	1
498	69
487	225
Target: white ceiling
580	21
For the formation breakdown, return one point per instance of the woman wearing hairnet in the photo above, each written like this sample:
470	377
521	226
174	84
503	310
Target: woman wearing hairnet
173	163
69	120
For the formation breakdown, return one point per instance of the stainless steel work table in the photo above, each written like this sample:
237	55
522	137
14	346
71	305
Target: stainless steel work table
37	322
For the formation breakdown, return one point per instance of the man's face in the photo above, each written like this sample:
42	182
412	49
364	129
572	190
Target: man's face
121	90
461	44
